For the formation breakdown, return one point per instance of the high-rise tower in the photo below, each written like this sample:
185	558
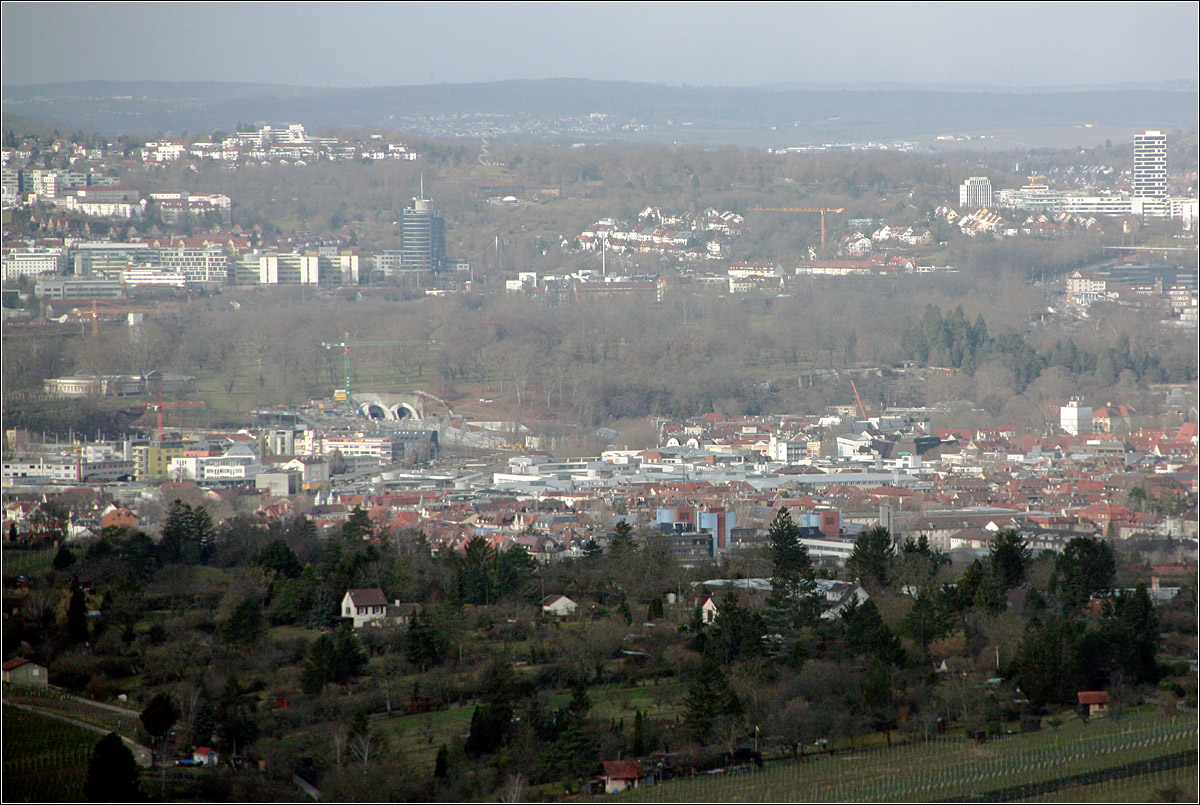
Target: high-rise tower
1150	165
422	237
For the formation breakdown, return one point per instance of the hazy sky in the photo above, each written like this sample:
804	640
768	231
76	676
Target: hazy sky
739	44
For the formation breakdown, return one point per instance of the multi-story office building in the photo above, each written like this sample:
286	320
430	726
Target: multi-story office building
422	237
76	288
1150	165
296	268
33	262
152	461
208	263
975	192
98	257
388	263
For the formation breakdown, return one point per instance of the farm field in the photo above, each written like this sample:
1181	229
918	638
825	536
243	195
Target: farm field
114	719
25	562
955	769
45	760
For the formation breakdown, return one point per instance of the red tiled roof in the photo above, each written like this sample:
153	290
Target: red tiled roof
623	769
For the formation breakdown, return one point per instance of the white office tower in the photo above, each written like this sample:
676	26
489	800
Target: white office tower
1150	165
1075	418
975	192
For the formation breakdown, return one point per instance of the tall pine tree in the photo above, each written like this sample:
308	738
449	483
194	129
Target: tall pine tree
793	602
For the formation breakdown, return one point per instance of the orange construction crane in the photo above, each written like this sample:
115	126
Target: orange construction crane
861	410
160	405
821	210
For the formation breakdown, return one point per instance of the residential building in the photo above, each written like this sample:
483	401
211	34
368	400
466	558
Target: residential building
20	671
369	607
364	606
297	268
152	461
1150	165
33	262
180	206
1075	418
975	192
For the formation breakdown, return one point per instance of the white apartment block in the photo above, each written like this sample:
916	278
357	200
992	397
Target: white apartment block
124	210
163	151
1084	288
975	192
51	184
381	449
1150	165
1096	205
286	269
34	262
1075	418
273	268
174	207
155	277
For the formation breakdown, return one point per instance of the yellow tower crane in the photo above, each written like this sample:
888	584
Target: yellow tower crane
821	210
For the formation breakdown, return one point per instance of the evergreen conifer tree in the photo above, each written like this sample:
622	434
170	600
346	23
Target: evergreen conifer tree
112	774
793	602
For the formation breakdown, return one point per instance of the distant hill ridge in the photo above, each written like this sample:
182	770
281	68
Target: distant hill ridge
148	106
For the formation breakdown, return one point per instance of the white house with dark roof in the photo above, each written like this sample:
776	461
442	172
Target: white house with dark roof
370	607
364	606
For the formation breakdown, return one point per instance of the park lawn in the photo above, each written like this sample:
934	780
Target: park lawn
220	405
45	760
947	769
